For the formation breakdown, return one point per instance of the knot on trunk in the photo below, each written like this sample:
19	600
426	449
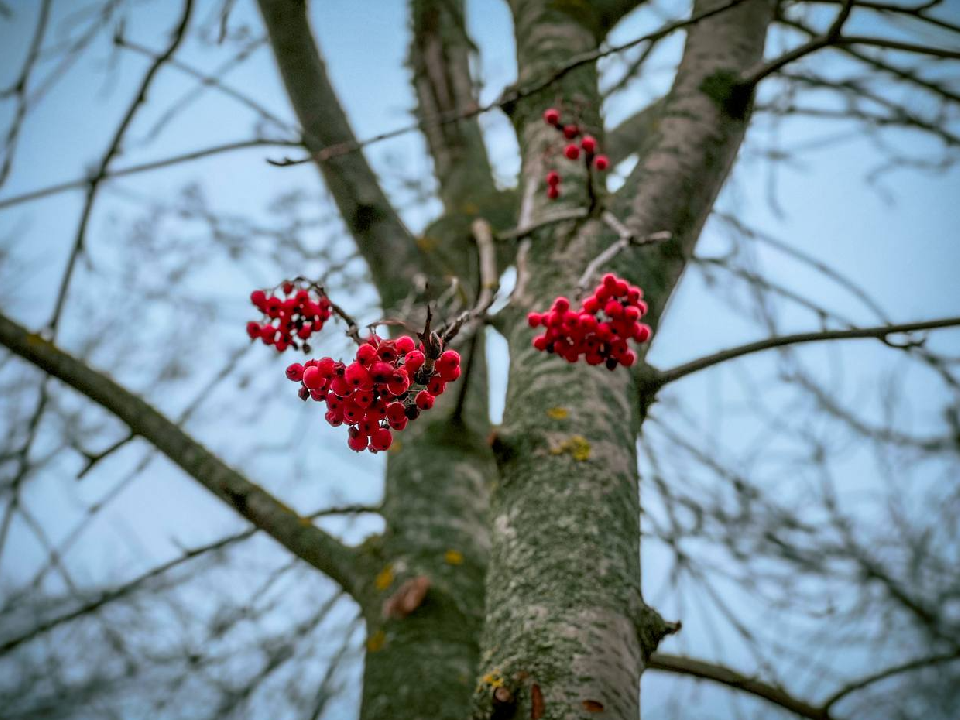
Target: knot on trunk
652	629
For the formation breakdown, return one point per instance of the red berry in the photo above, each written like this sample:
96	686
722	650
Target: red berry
561	304
381	372
253	330
357	441
553	178
405	344
449	358
334	417
540	342
366	354
627	358
588	143
450	374
424	400
643	333
601	162
357	376
591	304
352	412
287	287
413	361
388	351
570	131
398	424
534	319
613	309
551	116
340	387
381	439
295	372
398	384
258	298
553	192
312	378
436	385
571	151
395	411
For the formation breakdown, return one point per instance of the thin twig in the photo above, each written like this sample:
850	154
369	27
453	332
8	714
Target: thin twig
518	233
881	333
489	281
831	37
731	678
145	167
509	95
625	239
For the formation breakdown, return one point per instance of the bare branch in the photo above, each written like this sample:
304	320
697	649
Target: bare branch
112	150
882	333
145	167
753	76
293	531
624	240
440	51
889	672
629	137
731	678
511	95
521	232
383	239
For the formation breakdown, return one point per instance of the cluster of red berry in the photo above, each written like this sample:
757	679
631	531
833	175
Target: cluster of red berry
377	392
290	321
571	150
600	330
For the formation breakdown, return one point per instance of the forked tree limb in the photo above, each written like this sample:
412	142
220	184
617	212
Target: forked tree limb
295	532
681	665
881	332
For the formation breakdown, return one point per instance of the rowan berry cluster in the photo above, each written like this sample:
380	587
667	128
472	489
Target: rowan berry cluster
291	320
599	330
572	150
388	384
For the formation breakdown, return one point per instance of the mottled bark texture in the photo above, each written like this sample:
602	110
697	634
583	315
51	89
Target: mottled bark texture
564	610
526	539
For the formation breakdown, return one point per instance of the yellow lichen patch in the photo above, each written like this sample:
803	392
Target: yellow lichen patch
376	641
492	679
453	557
558	413
304	520
469	208
384	578
395	447
426	243
576	445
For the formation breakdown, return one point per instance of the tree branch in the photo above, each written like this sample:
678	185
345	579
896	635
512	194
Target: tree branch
699	133
382	238
630	136
889	672
293	531
112	151
145	167
440	52
831	37
131	586
881	333
725	676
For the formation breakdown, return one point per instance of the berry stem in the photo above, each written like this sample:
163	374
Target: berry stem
626	239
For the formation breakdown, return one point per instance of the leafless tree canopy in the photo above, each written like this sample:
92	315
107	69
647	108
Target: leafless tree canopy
181	537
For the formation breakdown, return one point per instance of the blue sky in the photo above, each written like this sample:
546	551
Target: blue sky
899	242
